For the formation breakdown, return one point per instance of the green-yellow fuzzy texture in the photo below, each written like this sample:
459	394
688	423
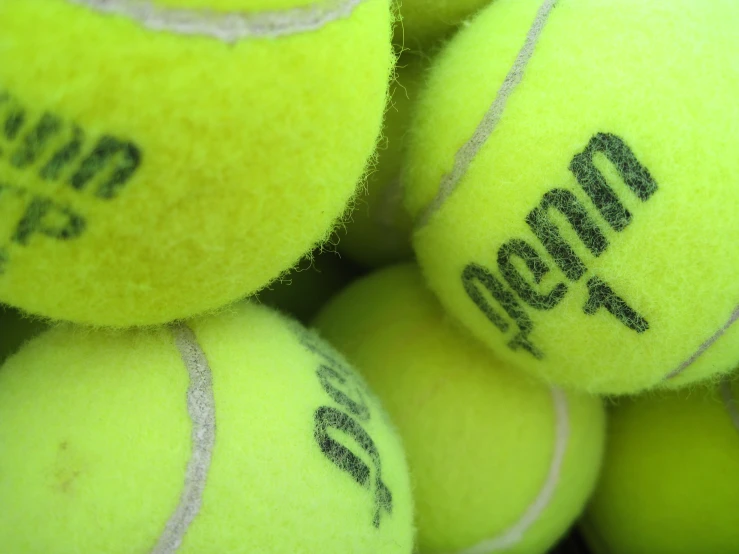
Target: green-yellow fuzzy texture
248	152
479	436
425	21
378	230
95	437
670	476
15	329
663	79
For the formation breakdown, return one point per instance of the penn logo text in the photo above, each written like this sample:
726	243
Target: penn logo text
516	295
38	150
346	416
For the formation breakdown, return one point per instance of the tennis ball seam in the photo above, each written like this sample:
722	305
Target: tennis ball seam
733	318
467	153
228	27
516	532
202	411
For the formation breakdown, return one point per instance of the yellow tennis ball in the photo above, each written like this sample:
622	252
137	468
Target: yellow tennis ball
378	230
499	462
425	21
238	433
579	210
161	158
670	475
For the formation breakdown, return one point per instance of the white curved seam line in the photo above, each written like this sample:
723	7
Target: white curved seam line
228	27
515	534
733	318
729	401
468	152
201	409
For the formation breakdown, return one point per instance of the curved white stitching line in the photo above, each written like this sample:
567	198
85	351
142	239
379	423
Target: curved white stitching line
201	408
227	27
514	534
468	152
733	318
729	401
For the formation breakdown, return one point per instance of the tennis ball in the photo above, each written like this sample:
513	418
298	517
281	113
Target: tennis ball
200	149
670	475
423	22
378	230
578	211
237	433
499	462
15	329
304	290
